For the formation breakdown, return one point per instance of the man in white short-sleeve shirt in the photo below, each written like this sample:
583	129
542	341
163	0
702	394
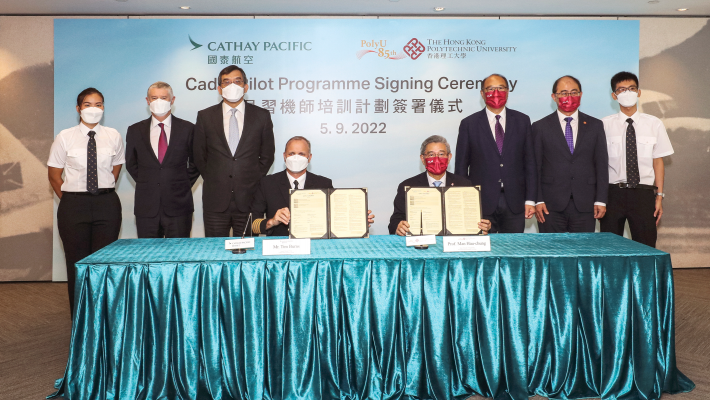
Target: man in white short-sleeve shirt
636	144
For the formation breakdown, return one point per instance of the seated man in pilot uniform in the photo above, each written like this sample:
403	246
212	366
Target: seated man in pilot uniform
272	196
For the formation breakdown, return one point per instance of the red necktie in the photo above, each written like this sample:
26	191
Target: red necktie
162	143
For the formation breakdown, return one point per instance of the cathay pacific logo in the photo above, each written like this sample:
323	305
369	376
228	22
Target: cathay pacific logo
197	46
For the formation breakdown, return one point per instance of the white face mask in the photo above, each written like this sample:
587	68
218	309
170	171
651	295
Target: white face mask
92	115
627	99
233	93
160	107
296	163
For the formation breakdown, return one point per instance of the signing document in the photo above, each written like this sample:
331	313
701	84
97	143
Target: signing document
348	213
424	204
309	214
463	210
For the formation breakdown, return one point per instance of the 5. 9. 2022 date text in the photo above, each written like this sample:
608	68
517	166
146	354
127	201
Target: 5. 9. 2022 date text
354	128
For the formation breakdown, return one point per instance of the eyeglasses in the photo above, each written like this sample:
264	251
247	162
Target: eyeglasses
493	88
574	93
624	89
439	154
237	81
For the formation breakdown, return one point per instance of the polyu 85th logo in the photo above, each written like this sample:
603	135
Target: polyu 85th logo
413	49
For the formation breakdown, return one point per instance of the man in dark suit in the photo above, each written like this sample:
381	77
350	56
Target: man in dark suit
435	155
234	148
572	164
494	150
159	158
271	199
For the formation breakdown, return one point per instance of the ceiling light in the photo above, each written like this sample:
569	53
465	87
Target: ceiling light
437	9
682	9
185	7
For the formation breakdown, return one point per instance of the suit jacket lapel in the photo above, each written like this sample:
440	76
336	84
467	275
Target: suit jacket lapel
422	180
285	186
449	179
559	135
488	133
581	131
145	135
174	135
218	120
247	125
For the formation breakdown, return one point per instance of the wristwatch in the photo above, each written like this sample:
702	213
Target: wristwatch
663	195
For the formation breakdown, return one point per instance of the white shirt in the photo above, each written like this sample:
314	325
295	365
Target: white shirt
301	180
574	124
155	132
492	120
432	180
227	114
651	142
69	152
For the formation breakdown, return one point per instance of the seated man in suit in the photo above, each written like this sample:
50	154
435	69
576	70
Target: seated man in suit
572	164
272	195
160	160
435	155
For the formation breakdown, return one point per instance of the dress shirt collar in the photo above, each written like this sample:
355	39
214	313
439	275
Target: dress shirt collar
85	129
432	180
226	108
154	122
575	117
301	179
623	117
492	117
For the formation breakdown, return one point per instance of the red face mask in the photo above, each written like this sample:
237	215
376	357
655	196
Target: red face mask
437	165
569	103
496	99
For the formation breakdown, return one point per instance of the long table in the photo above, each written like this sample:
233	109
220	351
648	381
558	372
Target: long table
565	316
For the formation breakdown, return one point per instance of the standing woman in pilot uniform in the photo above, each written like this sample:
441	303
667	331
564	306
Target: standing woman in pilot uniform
90	155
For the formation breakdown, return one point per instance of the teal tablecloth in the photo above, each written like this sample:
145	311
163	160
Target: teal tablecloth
566	316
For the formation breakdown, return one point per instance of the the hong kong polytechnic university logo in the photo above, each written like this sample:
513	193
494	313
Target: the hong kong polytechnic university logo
413	49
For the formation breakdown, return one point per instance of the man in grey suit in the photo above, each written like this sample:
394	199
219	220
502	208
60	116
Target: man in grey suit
234	149
572	164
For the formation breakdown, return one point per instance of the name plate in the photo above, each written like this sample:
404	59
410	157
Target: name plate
234	244
467	243
419	240
278	247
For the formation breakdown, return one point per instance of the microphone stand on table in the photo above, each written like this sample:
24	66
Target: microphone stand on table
242	251
421	233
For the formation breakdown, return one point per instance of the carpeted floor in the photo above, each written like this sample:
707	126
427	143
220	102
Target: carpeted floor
35	331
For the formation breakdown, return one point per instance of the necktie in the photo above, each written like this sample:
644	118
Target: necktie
295	184
499	135
568	134
92	180
437	183
162	143
632	161
233	131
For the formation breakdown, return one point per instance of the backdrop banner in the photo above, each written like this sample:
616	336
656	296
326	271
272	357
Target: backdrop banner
366	93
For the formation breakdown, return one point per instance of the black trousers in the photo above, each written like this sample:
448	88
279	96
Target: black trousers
86	223
163	225
636	206
503	220
568	220
219	224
